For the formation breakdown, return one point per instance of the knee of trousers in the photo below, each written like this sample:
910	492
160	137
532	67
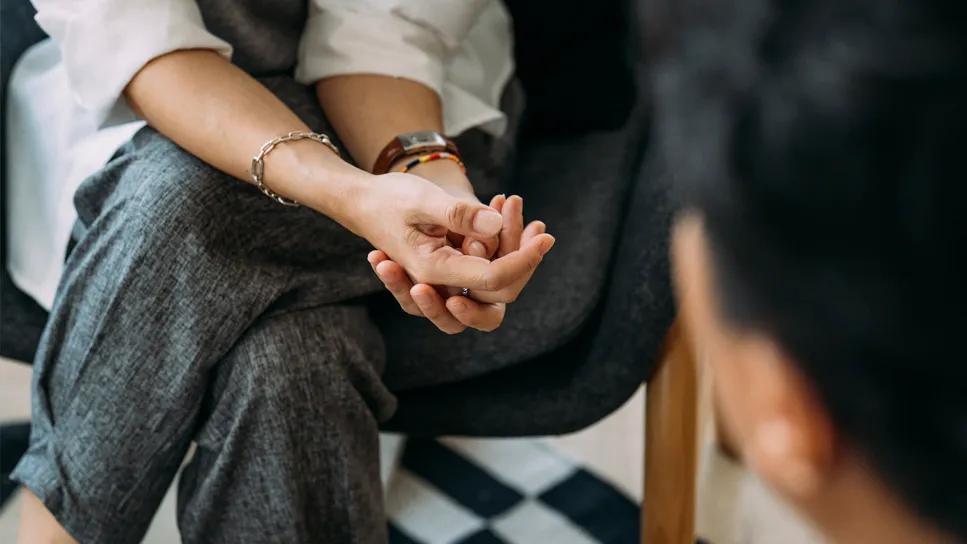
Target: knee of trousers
180	199
300	366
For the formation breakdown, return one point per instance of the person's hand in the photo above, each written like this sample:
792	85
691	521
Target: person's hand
454	314
408	218
453	179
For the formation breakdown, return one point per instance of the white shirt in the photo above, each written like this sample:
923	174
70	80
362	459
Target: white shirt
66	115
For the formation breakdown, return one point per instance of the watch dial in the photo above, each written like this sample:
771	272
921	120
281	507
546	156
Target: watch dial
414	140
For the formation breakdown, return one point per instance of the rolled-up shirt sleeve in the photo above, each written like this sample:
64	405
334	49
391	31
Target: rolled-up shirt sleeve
104	43
400	38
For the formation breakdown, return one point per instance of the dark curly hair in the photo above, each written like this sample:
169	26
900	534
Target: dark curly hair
824	143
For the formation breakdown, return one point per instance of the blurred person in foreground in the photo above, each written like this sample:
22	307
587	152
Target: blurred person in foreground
820	150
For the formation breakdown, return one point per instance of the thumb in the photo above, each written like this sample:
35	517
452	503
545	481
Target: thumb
463	216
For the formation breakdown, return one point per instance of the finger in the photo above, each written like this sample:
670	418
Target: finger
513	221
480	247
396	281
461	215
509	293
447	266
484	248
533	229
433	307
483	317
375	257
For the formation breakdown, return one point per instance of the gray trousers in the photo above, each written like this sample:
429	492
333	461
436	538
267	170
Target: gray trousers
195	309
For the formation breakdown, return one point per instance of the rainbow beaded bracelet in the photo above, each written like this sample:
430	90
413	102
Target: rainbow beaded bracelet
436	156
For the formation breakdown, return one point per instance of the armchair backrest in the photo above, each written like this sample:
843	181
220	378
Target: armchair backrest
576	60
21	319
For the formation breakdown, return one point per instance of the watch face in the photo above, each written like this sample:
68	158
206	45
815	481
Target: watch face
417	140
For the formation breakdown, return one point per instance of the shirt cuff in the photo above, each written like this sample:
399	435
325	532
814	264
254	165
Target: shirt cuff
340	40
104	44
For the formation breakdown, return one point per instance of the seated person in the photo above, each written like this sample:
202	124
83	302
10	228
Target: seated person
820	254
224	300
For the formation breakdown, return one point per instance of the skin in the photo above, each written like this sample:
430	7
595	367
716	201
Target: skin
780	426
456	313
429	227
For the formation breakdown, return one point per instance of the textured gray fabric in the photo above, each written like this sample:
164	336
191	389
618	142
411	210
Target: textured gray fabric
194	308
288	450
264	34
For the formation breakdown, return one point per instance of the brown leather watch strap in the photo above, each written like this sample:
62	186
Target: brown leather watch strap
409	144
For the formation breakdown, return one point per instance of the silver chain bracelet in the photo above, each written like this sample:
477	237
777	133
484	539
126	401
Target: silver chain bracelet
258	162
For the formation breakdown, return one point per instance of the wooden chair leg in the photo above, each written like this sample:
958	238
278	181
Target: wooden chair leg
671	446
724	441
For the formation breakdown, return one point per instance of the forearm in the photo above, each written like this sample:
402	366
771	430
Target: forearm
368	110
223	116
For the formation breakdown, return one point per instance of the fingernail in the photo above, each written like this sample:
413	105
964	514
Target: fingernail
459	305
477	249
487	222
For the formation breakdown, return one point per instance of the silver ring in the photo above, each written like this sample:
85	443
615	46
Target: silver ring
465	292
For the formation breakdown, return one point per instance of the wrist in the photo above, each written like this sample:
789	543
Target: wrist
445	174
316	177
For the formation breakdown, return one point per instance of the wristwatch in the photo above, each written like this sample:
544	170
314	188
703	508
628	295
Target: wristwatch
412	143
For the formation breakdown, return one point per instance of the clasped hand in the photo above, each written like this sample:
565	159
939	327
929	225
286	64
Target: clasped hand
431	243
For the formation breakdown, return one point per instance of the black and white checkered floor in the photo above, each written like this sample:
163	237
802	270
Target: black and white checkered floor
502	491
559	502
